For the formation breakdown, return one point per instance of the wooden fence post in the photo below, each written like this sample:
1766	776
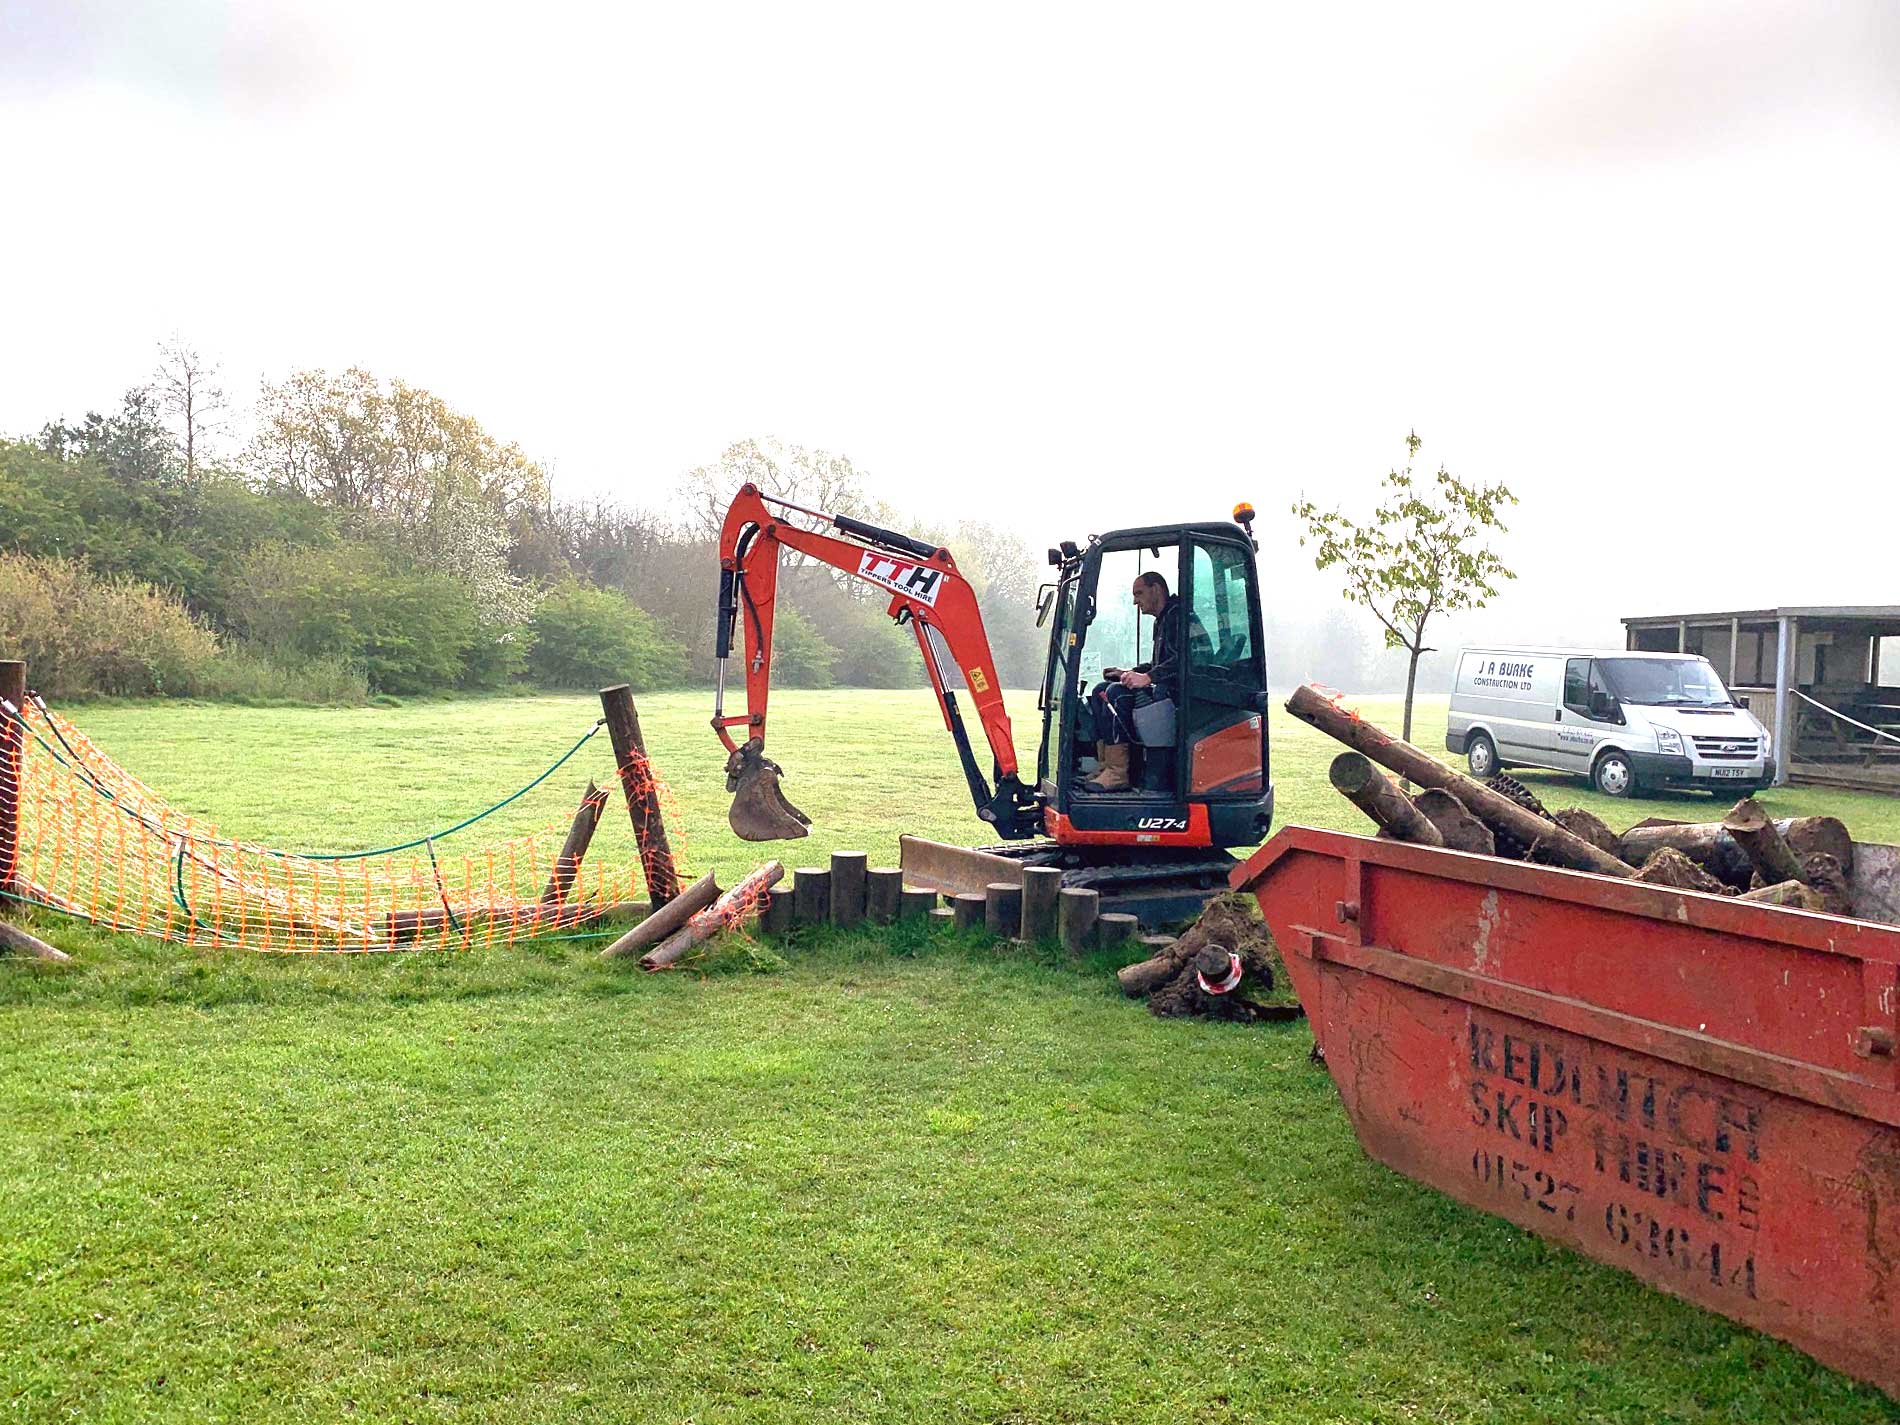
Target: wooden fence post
1003	910
643	797
12	768
967	910
811	887
848	886
567	865
883	894
12	773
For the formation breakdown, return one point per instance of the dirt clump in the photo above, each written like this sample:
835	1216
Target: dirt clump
1215	970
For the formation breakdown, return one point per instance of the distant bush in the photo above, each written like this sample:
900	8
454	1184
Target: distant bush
83	633
800	656
409	632
583	637
243	673
872	651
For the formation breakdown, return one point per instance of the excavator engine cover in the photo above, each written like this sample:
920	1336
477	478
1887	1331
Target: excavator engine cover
760	811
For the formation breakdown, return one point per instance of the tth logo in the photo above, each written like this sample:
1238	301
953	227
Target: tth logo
916	581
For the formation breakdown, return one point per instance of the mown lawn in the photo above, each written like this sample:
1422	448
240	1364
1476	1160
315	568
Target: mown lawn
891	1179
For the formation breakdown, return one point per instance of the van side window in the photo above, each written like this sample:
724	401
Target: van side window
1577	686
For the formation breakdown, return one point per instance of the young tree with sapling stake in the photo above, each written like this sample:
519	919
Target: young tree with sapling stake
1417	556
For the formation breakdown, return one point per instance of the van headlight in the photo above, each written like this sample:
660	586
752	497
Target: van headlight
1669	740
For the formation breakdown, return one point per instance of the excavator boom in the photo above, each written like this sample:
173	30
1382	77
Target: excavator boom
928	595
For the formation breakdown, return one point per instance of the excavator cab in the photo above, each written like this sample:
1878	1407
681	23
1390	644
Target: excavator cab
1198	773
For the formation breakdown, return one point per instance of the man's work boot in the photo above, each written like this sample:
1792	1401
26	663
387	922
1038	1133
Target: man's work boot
1113	773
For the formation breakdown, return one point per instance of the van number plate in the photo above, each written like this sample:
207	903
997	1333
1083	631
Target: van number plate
1728	772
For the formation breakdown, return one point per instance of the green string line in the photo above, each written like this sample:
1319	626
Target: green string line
459	826
178	894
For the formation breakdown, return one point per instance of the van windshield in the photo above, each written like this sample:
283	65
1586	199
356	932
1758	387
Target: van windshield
1665	682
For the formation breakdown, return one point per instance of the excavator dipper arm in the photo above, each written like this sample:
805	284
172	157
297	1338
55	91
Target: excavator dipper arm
927	593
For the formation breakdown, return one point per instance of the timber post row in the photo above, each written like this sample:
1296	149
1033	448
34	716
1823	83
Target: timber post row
642	792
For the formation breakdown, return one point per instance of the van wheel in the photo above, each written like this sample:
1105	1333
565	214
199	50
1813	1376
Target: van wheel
1481	755
1613	776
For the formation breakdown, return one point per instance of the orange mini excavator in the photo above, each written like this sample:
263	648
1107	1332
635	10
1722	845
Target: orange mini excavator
1153	839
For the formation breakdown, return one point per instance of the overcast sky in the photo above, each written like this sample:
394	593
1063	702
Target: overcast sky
1065	268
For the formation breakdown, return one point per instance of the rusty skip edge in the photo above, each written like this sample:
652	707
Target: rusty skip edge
1855	1069
1761	1182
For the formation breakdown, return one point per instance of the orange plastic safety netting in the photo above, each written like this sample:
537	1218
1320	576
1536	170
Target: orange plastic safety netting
95	842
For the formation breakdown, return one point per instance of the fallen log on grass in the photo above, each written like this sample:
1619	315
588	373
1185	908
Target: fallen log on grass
1494	809
723	914
664	921
1367	788
1144	977
15	941
531	919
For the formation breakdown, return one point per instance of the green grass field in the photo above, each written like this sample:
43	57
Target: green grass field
893	1179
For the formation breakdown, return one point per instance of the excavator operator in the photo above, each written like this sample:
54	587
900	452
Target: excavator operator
1114	701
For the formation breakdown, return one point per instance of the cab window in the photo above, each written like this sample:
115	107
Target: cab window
1577	685
1219	626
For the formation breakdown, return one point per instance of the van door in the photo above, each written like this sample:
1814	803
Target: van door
1579	725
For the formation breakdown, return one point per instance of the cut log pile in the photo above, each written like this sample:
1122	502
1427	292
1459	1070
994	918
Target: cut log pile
1801	862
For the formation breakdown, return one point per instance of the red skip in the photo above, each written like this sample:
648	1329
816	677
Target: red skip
1700	1092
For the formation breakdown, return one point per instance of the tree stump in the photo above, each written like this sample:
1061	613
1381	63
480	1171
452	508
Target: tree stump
1115	929
918	901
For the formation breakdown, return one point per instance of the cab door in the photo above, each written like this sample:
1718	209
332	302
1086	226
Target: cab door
1224	736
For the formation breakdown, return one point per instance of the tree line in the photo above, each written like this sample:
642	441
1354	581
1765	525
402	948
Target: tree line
367	538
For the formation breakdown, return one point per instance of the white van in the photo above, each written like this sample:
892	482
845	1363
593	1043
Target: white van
1627	721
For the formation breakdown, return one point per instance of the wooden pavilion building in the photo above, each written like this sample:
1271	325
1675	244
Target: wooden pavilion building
1814	676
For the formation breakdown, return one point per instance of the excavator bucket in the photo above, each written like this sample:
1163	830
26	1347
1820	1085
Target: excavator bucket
760	811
